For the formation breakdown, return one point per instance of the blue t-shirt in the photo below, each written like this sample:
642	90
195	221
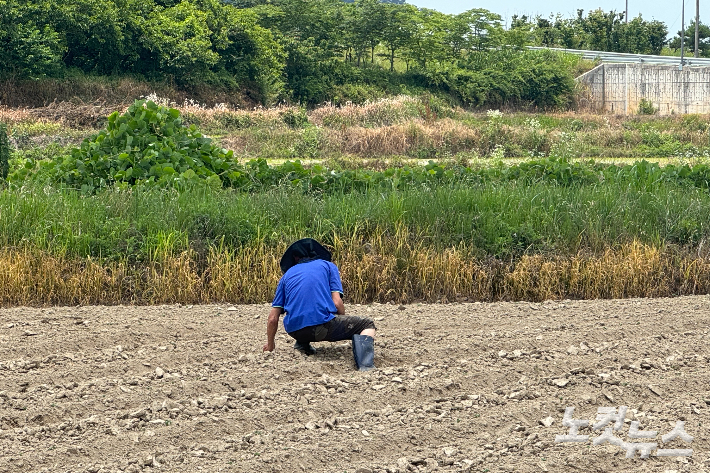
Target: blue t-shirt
305	294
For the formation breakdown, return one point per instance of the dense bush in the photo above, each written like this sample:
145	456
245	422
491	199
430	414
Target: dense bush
30	47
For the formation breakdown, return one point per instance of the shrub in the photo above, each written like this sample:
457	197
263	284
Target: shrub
356	93
646	107
295	118
309	144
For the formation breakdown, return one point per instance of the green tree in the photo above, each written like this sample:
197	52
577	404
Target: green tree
703	39
657	33
180	39
641	37
601	29
481	30
252	55
569	34
27	48
428	37
546	32
521	32
368	25
400	23
317	19
92	31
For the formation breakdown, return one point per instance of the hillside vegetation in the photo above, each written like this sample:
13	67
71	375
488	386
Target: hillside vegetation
306	51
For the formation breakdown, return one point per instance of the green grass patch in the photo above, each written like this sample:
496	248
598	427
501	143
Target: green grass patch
501	217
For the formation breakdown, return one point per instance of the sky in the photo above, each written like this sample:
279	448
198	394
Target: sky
665	11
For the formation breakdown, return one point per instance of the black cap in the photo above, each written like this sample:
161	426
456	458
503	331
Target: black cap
305	248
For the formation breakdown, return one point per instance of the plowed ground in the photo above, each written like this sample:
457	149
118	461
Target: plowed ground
458	387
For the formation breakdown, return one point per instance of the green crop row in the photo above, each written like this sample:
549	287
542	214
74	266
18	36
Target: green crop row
258	176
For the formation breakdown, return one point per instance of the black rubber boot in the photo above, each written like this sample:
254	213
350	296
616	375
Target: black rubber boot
364	352
305	348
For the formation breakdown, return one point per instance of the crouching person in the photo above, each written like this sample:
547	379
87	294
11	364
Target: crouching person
310	295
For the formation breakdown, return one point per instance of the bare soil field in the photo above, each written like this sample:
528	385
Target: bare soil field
458	387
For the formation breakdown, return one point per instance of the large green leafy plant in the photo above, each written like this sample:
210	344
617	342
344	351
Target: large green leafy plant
148	143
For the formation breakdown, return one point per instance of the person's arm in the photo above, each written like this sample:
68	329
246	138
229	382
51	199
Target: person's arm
336	288
272	325
338	301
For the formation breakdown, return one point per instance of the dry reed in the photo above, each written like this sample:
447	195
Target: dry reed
403	139
383	112
11	116
382	270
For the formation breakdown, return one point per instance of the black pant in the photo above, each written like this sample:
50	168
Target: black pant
342	327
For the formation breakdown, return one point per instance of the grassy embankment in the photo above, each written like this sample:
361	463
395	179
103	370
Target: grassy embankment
487	240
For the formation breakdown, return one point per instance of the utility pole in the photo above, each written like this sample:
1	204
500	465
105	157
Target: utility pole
697	25
682	34
626	15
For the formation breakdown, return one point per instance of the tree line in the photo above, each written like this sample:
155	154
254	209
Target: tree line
311	51
597	31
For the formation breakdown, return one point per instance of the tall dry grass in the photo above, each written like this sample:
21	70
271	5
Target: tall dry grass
388	269
383	112
403	139
11	116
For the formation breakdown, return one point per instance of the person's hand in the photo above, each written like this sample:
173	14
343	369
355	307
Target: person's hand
269	346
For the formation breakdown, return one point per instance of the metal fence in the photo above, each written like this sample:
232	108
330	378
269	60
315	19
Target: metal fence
611	58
